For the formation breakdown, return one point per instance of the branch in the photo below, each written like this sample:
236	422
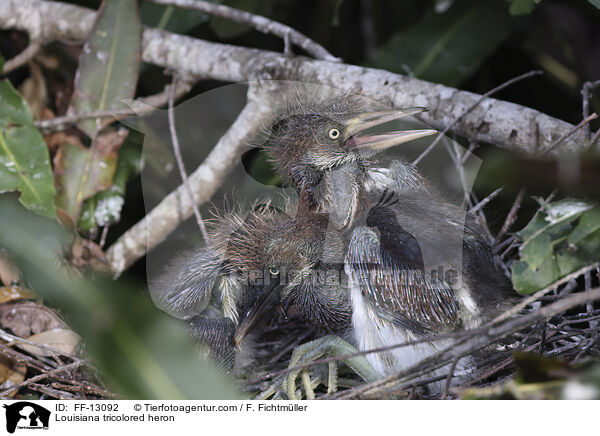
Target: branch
505	124
256	21
204	182
483	338
22	58
179	158
141	106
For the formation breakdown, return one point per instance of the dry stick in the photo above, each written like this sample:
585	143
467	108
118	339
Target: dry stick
487	337
61	395
84	389
449	378
23	358
569	133
586	93
485	201
515	309
473	106
142	106
42	376
258	22
179	159
205	180
23	57
452	335
512	215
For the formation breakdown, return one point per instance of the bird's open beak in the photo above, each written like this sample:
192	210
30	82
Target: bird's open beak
264	301
379	142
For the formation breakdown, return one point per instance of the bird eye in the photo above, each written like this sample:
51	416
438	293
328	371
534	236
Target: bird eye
274	271
334	133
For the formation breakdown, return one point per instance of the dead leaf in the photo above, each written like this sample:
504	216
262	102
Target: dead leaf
63	340
81	172
15	293
28	318
11	374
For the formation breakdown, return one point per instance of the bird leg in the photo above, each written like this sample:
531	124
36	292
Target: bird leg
327	346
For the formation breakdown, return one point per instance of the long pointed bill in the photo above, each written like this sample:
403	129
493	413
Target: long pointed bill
262	304
379	142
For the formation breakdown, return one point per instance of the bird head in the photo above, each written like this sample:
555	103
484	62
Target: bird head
305	142
278	263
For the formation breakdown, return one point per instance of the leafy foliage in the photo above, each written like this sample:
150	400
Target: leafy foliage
442	47
562	238
24	157
142	352
109	64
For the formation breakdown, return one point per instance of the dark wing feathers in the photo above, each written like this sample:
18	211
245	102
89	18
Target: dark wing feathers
397	290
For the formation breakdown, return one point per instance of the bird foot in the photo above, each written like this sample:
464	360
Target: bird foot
312	377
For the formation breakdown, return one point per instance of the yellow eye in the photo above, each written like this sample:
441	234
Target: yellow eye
274	271
334	133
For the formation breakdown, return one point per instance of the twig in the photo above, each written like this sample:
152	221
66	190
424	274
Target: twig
84	389
258	22
512	215
204	181
516	309
569	133
586	94
485	201
358	353
473	106
449	378
142	106
42	376
179	159
490	335
55	393
22	58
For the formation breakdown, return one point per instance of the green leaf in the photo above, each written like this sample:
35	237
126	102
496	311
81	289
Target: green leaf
555	218
588	223
537	250
13	107
595	3
25	166
141	352
446	48
522	7
562	238
109	63
527	280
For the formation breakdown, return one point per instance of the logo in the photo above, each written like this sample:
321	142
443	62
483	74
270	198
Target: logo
26	415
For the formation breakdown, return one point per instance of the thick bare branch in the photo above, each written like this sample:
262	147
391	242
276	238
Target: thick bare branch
505	124
256	21
204	182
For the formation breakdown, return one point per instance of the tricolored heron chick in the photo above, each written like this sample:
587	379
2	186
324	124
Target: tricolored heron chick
417	265
230	288
324	148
